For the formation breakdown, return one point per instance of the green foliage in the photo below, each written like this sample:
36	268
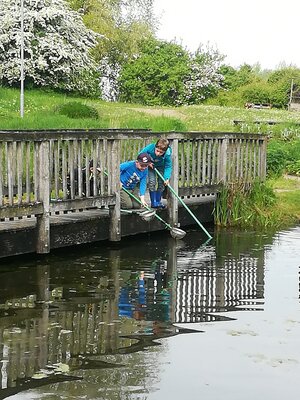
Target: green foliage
164	73
276	158
293	168
75	109
283	156
39	106
258	92
280	83
244	206
235	78
249	84
57	47
157	76
124	24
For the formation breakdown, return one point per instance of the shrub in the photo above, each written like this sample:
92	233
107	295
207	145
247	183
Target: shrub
76	109
258	92
293	168
246	206
276	159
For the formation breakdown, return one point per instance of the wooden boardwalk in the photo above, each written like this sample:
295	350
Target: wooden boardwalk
50	199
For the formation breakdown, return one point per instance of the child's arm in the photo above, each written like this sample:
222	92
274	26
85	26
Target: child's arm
143	187
168	166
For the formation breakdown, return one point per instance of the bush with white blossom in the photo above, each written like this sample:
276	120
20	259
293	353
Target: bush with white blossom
57	46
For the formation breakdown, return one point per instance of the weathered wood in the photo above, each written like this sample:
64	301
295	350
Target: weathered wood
196	190
263	160
172	200
114	175
43	222
223	161
50	169
21	210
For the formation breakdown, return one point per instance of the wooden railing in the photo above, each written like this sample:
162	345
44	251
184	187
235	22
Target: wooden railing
52	172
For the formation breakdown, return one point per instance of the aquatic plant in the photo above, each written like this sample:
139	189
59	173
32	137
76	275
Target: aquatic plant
245	205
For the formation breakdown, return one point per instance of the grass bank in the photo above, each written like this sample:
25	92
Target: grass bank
274	204
42	112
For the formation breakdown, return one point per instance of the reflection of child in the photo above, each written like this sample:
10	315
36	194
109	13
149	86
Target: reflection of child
140	309
141	289
132	301
125	307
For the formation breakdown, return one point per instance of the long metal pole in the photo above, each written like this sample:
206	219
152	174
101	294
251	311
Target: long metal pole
184	205
22	61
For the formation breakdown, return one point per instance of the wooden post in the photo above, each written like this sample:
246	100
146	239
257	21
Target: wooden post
223	161
114	211
172	278
263	159
172	200
43	221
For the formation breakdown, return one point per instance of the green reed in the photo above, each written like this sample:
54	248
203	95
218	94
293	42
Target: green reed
244	205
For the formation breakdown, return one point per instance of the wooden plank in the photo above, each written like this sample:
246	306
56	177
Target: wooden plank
82	203
43	222
114	211
10	181
204	162
209	166
28	166
172	200
194	163
21	210
194	191
20	171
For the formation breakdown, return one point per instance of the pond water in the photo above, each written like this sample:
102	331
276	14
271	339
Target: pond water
155	318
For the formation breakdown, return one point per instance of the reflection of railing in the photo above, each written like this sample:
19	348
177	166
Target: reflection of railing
77	322
66	331
202	292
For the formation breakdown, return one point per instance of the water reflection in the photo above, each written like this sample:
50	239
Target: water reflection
63	317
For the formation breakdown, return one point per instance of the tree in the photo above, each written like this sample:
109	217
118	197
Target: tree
125	24
157	75
167	74
56	42
280	83
205	78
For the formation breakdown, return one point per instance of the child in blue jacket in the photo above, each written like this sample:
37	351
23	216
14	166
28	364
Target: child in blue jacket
161	154
133	177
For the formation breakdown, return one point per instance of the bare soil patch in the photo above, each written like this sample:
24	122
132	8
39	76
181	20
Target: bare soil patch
161	112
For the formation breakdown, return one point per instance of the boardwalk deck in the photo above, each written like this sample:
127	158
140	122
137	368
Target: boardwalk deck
50	199
90	226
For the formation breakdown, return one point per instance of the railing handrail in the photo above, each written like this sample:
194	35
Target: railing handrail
40	135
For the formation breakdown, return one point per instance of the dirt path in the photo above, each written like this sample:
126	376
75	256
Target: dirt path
297	184
161	112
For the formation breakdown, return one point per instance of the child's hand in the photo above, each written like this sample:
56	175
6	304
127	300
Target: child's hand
166	182
144	203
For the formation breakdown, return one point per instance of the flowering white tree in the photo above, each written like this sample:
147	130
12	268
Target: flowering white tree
205	78
57	45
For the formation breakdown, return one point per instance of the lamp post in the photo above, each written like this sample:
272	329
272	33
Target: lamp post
22	61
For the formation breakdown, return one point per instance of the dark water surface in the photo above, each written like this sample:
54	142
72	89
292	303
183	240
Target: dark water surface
155	319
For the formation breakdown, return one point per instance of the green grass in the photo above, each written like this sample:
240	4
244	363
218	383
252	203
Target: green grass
289	204
40	113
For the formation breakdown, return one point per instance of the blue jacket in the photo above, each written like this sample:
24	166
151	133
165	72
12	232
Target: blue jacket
130	176
164	160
